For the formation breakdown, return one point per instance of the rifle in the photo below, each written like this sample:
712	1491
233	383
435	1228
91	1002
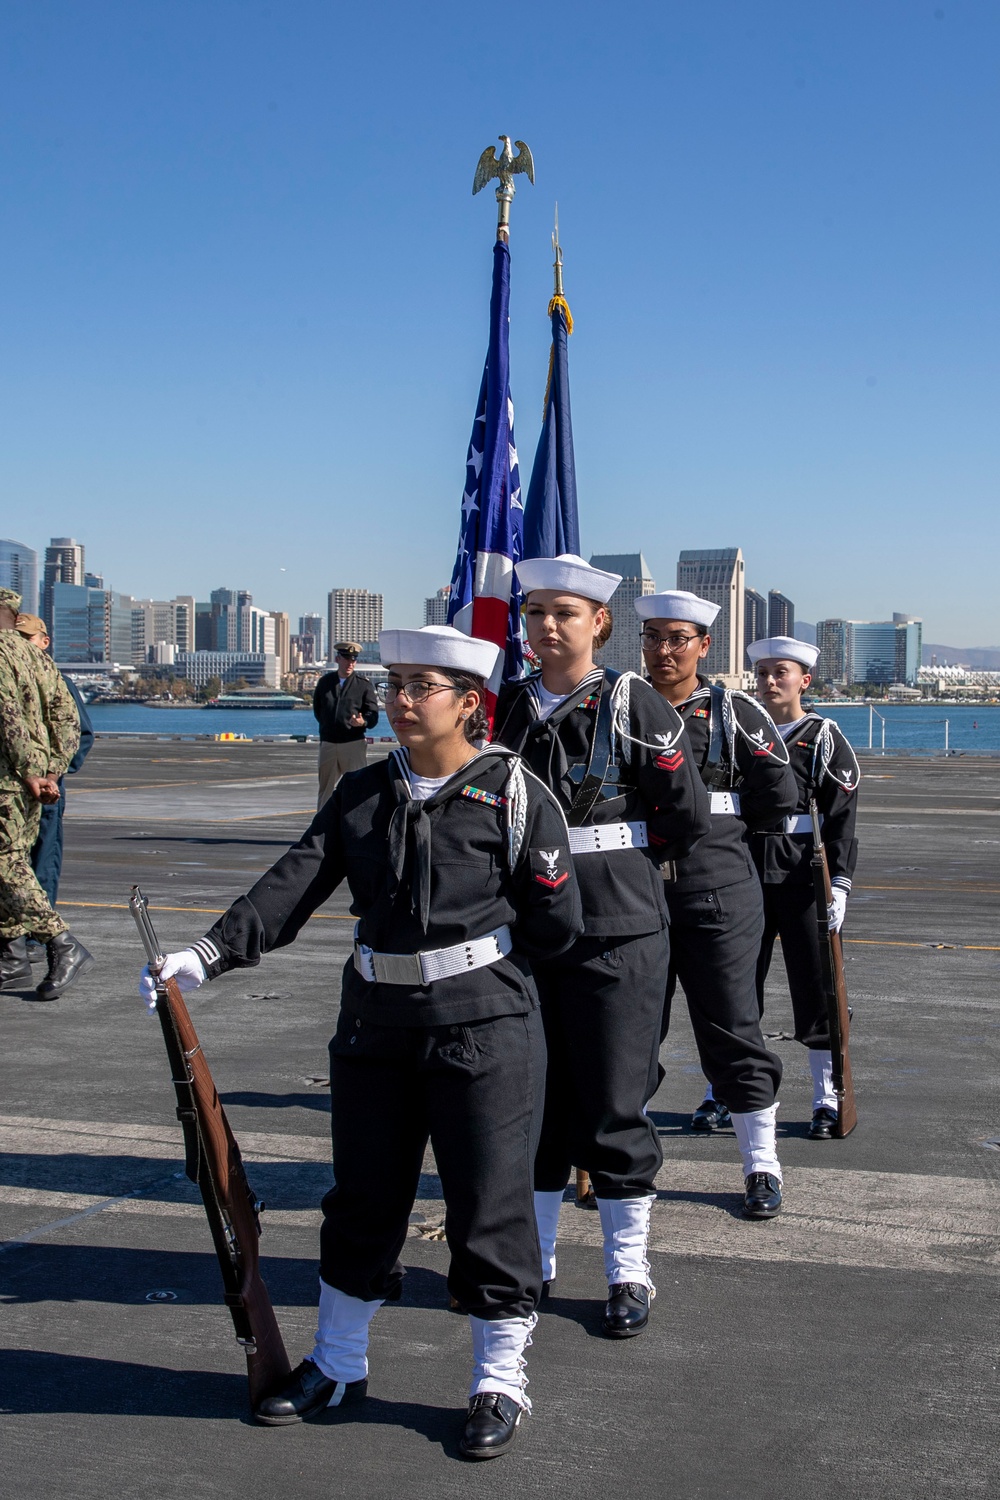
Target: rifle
831	955
213	1161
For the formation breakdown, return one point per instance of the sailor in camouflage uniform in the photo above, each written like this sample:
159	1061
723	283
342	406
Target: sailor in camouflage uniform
39	735
826	769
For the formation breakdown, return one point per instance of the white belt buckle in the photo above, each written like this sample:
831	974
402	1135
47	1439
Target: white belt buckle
726	802
388	968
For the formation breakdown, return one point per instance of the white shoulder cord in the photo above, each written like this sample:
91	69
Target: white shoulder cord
620	726
733	726
824	753
517	810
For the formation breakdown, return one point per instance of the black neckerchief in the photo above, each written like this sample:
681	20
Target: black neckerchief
410	828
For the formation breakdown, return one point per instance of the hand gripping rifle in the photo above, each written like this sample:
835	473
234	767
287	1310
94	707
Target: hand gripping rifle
831	954
213	1161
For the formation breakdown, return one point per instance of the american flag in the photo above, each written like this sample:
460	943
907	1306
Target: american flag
485	599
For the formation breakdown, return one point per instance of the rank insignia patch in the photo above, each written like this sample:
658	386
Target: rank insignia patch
671	762
550	866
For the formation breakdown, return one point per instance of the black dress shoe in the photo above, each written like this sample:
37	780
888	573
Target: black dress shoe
762	1196
68	959
490	1425
824	1122
306	1393
627	1310
711	1114
14	965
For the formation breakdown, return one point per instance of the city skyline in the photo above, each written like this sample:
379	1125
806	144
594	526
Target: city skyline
229	620
197	280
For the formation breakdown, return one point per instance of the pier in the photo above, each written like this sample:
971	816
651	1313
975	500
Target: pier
847	1348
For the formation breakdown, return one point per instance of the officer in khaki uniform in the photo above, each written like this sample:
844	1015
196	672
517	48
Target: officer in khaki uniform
345	706
39	735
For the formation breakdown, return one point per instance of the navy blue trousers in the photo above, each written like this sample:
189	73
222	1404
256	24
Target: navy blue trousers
47	853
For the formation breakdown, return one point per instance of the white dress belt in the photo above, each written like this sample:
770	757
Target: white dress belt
726	802
801	823
601	838
435	963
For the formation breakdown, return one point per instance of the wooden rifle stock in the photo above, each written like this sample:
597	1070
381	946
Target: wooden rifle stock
213	1161
831	955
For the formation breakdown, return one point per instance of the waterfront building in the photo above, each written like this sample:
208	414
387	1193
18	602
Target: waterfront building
884	651
64	563
623	652
90	625
831	638
255	667
436	608
780	614
717	573
754	617
282	640
353	615
313	625
168	622
303	651
19	571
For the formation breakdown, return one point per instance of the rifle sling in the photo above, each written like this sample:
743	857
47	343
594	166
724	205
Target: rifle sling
713	771
597	762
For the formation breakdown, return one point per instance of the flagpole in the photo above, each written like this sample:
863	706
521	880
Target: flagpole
558	263
503	167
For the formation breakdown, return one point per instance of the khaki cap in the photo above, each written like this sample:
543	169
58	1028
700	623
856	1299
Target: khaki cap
347	648
31	625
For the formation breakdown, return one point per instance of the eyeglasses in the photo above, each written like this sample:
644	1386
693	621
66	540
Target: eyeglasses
677	642
415	691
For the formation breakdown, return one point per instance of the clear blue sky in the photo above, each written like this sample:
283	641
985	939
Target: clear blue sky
245	288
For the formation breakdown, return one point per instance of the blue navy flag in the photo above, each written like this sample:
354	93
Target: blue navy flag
551	522
485	600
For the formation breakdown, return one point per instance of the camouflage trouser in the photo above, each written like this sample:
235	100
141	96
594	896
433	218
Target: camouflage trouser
24	906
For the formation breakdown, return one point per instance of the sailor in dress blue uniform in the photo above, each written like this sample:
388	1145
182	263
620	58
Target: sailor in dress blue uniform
826	769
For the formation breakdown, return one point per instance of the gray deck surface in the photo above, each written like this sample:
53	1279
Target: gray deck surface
848	1348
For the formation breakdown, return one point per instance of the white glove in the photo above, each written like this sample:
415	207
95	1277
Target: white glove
186	967
837	908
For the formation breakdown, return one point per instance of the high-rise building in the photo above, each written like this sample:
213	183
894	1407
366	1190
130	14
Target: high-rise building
19	571
716	573
436	608
313	625
884	651
754	617
168	622
282	640
302	651
353	615
90	624
831	638
229	622
623	653
63	564
780	614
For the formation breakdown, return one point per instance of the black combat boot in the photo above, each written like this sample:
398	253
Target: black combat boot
68	959
14	966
